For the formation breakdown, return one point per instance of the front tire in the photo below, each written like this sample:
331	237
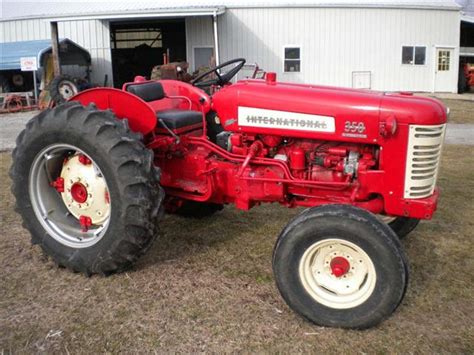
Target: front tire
339	266
86	188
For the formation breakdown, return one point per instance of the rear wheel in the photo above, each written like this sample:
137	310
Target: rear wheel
402	226
340	266
86	188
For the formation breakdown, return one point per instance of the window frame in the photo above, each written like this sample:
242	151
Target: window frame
446	66
414	46
288	46
196	47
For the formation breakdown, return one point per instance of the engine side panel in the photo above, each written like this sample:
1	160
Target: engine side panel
253	106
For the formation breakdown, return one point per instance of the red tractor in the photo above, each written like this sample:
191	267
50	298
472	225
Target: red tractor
92	177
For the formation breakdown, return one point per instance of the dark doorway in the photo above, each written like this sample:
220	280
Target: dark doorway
139	45
466	58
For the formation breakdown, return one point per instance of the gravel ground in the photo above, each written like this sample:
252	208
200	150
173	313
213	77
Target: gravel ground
12	124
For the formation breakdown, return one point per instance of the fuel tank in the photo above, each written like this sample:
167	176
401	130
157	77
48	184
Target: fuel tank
320	112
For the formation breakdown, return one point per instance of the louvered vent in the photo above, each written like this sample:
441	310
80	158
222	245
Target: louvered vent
424	151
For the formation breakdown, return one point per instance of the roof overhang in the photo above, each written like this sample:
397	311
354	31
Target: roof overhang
165	13
468	19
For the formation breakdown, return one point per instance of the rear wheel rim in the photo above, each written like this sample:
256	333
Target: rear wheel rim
67	89
68	216
323	273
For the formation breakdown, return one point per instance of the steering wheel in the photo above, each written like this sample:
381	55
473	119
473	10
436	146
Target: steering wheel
221	79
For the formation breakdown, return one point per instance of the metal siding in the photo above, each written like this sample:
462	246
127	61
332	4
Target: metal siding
93	35
335	42
199	32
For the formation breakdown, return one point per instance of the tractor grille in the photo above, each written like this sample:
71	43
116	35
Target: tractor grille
424	151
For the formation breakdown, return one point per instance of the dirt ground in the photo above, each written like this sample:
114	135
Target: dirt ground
207	285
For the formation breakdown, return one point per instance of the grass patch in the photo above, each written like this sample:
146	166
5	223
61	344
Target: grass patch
207	285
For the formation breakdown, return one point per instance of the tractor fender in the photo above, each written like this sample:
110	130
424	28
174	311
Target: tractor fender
141	117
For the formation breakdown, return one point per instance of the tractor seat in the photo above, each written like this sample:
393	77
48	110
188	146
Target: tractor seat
179	120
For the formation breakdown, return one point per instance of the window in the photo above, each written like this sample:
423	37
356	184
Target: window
413	55
292	59
123	38
444	60
203	58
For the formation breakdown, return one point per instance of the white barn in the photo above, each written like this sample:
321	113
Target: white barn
378	44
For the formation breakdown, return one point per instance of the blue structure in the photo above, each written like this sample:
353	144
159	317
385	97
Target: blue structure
70	53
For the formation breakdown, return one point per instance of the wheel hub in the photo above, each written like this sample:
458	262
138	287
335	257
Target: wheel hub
85	191
339	266
79	192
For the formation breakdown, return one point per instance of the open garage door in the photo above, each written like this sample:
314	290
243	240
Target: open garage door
138	46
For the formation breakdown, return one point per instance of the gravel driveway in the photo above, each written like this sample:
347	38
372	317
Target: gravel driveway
12	124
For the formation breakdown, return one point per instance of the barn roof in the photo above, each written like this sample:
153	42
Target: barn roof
14	9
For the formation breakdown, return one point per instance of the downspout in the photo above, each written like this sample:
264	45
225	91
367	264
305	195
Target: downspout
216	38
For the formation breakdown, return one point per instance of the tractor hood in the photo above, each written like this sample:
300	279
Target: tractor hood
319	112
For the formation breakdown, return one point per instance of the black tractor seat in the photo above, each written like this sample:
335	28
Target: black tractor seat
177	120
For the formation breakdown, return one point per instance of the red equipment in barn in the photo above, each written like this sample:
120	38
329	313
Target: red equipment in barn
364	162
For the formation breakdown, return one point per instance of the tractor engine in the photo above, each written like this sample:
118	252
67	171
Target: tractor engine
306	159
316	145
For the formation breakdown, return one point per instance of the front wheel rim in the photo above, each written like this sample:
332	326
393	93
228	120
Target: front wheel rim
337	273
70	217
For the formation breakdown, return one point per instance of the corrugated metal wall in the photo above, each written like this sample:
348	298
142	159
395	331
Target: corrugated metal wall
199	33
93	35
336	42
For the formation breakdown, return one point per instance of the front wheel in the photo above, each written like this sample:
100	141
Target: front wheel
86	188
339	266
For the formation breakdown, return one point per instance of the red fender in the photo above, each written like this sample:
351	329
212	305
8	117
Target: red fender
141	117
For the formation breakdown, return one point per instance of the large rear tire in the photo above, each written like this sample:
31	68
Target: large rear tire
340	266
86	188
402	226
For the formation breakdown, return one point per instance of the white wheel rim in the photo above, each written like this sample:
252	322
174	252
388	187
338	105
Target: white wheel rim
67	89
60	217
349	290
